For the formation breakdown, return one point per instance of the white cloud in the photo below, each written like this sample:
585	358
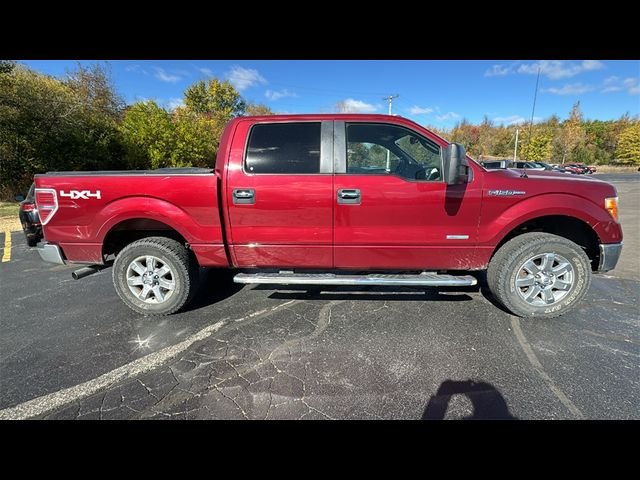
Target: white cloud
162	74
510	120
499	70
610	84
448	116
552	69
355	106
243	78
275	95
205	71
617	84
174	103
415	110
569	89
557	69
136	68
634	90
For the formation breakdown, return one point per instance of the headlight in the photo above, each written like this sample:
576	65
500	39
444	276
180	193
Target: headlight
611	205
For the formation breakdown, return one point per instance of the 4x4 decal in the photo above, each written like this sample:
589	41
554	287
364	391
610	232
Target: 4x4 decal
84	194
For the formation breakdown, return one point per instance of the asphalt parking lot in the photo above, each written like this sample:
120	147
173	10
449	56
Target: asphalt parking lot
71	349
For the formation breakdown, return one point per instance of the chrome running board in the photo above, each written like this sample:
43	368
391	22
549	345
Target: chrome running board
426	279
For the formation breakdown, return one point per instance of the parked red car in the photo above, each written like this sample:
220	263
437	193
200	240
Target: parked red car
578	167
319	199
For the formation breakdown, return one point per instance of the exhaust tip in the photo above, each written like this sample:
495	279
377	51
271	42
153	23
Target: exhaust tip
84	272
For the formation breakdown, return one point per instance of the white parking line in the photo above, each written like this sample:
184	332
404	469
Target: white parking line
537	366
52	401
7	246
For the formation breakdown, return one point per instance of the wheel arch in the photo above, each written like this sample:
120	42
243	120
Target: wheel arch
570	227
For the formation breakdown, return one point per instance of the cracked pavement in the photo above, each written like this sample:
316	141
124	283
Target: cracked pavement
330	353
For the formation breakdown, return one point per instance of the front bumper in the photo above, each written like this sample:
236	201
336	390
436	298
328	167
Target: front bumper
50	253
609	255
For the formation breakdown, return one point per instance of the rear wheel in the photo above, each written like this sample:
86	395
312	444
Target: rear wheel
154	276
539	275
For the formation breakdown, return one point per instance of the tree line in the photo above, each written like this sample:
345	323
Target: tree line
81	122
553	140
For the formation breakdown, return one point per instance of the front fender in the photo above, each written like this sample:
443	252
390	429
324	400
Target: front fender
499	217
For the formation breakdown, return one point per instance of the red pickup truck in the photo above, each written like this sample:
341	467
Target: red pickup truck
334	200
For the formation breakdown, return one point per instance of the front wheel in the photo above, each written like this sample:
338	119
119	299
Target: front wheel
154	276
539	275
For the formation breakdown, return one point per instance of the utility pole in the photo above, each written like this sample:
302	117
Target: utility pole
390	100
515	150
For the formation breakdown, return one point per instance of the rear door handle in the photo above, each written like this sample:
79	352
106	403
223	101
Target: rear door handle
244	196
349	196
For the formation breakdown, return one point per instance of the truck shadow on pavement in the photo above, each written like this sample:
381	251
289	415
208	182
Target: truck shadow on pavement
213	287
488	403
306	292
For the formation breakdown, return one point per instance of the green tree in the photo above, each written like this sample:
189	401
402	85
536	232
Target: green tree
628	149
572	134
6	66
148	134
48	123
196	143
538	149
215	98
256	109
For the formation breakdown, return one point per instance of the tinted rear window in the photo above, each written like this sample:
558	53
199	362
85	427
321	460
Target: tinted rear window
285	148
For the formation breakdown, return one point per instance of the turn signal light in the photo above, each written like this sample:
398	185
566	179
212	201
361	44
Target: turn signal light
611	205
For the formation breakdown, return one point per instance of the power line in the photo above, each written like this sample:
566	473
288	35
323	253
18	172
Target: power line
535	95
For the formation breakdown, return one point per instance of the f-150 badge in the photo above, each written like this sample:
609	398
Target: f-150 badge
84	194
506	193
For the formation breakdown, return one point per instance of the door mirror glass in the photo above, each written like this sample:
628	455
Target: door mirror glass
19	198
455	164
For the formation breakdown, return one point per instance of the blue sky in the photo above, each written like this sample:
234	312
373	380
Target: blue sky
430	92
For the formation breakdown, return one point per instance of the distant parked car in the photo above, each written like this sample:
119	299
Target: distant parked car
592	168
572	168
528	165
29	217
578	167
546	166
495	164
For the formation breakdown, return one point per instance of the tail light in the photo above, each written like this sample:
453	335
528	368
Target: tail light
28	207
47	202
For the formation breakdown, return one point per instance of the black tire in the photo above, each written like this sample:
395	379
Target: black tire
32	241
505	266
184	272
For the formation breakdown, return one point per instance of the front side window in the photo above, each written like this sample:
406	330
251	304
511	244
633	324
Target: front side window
284	148
384	149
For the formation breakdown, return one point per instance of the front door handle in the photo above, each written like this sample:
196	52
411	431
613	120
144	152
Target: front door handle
349	196
244	196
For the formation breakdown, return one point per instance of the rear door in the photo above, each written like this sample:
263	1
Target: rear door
280	194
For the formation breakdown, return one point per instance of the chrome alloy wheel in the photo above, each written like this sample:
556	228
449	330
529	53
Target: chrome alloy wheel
545	279
150	279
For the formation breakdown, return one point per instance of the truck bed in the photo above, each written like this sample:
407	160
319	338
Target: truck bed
93	205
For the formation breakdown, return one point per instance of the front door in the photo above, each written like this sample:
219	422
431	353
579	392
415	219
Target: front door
392	207
280	194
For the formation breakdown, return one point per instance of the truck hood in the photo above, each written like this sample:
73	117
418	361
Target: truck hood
540	182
